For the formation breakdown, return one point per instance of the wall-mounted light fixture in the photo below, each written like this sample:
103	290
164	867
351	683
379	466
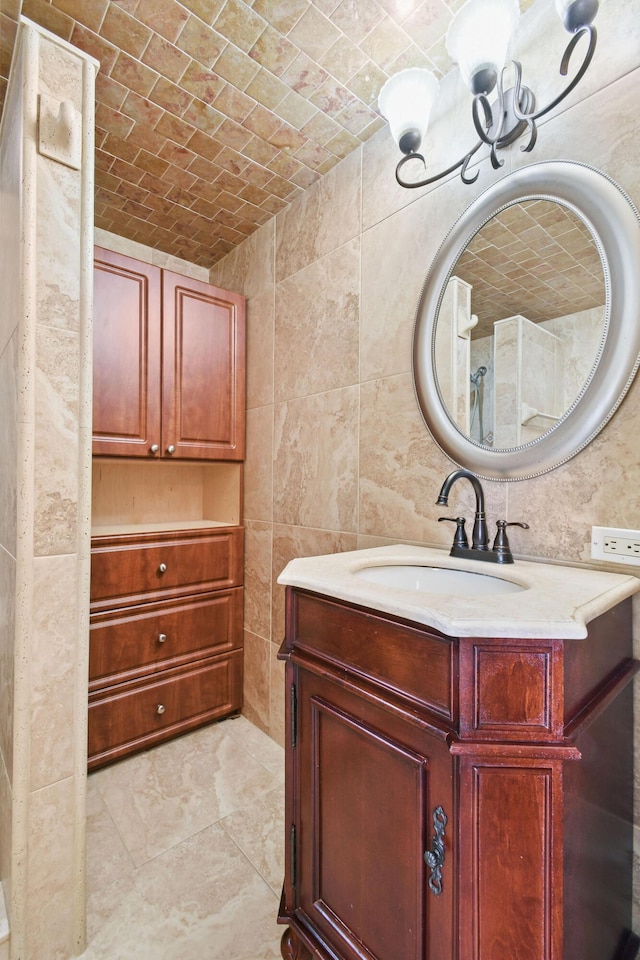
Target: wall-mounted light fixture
478	41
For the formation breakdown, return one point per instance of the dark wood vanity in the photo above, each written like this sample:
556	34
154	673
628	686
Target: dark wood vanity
455	798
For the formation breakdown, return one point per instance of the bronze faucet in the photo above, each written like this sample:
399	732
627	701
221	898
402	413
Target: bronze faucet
500	552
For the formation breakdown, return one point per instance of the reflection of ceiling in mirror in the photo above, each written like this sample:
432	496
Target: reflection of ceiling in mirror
536	258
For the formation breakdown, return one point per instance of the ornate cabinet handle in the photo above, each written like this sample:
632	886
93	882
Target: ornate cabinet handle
434	858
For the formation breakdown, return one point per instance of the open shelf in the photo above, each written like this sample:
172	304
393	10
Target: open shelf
130	496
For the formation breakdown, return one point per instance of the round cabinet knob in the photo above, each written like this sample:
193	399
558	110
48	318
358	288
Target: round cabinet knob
160	709
171	449
162	638
162	568
154	448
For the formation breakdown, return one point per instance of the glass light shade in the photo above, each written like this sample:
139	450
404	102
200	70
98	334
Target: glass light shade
405	101
478	40
576	14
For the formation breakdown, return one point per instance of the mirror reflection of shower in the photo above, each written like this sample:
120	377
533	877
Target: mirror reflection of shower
477	407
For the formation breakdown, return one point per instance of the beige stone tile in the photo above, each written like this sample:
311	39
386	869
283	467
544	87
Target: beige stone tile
290	542
200	899
258	472
402	470
316	461
598	487
321	220
159	798
257	578
592	133
397	254
58	241
6	811
249	268
316	327
52	667
56	453
51	894
255	705
277	694
7	657
260	340
258	829
8	444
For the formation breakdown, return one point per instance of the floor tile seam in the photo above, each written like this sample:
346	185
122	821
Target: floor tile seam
248	859
114	822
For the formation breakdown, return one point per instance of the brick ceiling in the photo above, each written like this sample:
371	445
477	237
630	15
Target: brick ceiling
213	115
536	259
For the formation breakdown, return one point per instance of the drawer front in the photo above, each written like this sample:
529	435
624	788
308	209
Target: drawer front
132	716
155	636
128	570
415	664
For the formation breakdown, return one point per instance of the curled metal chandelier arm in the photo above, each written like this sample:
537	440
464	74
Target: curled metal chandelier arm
463	163
531	118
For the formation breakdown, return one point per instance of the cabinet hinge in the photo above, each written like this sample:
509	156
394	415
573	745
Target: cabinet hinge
294	715
292	855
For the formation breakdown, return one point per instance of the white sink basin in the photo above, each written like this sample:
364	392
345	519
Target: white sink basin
438	580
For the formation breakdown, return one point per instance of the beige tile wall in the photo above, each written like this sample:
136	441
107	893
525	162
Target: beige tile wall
338	456
45	368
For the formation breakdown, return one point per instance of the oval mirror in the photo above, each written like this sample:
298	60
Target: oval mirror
527	334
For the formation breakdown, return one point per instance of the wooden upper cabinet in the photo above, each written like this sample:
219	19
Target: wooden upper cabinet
126	355
169	364
203	375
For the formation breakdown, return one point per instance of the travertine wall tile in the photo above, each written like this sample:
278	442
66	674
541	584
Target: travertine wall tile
258	468
294	541
316	461
57	405
52	667
7	666
256	680
52	826
257	578
249	268
322	219
260	338
316	328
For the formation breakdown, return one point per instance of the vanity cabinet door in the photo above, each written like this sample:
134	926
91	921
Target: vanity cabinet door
367	785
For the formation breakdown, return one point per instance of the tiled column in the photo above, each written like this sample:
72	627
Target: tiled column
46	379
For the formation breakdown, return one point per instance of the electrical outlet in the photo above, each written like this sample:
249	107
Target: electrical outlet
615	545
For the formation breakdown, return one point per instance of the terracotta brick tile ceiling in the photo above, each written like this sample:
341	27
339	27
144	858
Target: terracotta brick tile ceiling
213	115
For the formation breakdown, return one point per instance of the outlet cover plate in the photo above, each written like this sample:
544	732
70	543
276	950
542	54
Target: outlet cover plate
615	545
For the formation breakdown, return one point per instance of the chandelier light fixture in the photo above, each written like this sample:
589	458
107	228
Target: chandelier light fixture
478	40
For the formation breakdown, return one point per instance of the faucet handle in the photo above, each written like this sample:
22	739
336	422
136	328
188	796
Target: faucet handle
501	542
460	538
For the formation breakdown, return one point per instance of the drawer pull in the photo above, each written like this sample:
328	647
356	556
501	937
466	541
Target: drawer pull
171	449
160	709
162	568
154	448
162	638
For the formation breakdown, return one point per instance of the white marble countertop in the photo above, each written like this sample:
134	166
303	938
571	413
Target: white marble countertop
558	602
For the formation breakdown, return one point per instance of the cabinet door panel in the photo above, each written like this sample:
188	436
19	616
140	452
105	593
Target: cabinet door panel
367	790
126	346
203	370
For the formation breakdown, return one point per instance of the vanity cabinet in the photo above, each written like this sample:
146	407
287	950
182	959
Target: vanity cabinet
166	636
455	798
169	372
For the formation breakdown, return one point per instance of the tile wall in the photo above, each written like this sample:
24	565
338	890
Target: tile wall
338	456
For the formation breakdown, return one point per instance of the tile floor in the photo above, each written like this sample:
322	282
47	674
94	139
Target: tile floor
185	849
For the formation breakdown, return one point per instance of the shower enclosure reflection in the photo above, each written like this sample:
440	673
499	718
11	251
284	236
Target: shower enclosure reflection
520	324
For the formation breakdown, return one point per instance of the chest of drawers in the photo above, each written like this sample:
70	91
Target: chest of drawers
166	636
